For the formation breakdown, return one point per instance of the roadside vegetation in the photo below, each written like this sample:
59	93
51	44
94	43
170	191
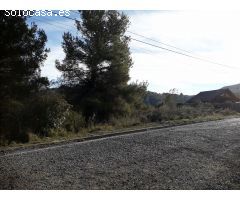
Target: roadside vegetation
93	95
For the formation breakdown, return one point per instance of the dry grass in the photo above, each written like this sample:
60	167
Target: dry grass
60	135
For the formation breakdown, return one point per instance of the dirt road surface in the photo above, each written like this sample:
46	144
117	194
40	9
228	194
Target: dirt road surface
197	156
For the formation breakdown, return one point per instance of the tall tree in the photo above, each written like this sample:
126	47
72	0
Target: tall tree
97	63
22	51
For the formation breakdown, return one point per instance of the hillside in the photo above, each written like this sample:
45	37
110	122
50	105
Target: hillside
234	88
154	99
214	96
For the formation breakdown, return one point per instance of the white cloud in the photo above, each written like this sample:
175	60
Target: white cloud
213	35
49	68
51	25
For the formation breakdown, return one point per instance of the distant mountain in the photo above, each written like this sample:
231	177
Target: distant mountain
214	96
234	88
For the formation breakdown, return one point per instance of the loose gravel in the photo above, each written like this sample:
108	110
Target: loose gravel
197	156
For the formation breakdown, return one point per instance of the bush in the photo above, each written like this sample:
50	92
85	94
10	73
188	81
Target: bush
74	122
155	116
46	111
185	112
12	126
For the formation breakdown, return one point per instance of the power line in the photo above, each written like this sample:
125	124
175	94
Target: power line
162	48
138	35
58	26
57	22
227	66
189	52
159	42
167	49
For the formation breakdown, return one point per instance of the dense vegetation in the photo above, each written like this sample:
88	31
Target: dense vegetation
156	99
22	51
96	68
94	88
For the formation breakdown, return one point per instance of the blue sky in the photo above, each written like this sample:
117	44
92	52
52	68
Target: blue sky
212	35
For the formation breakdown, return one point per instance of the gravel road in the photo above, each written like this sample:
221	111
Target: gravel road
197	156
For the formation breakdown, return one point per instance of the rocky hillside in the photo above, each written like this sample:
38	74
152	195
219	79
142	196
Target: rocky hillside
234	88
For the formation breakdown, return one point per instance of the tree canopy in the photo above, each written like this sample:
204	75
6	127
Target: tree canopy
97	63
22	51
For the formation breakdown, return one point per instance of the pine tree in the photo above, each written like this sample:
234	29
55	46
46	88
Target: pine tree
22	51
97	62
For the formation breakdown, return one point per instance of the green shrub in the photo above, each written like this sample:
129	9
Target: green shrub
155	116
46	111
74	122
12	127
185	112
